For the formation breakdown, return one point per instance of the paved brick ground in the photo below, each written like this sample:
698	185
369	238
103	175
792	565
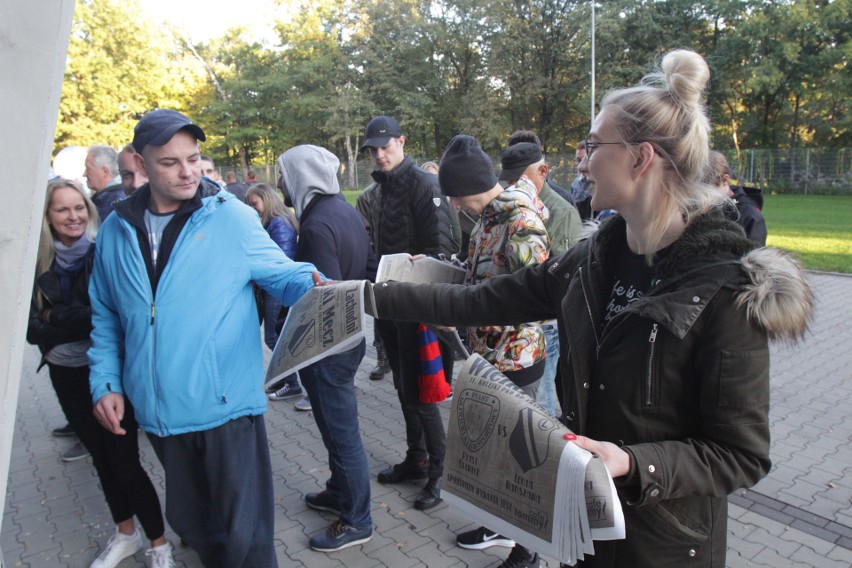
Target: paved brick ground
799	516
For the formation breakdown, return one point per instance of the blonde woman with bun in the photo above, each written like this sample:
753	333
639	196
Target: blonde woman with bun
665	315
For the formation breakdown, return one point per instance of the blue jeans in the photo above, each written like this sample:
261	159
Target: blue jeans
546	395
271	309
330	384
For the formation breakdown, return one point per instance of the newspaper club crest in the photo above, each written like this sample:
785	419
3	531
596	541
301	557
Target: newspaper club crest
530	439
477	412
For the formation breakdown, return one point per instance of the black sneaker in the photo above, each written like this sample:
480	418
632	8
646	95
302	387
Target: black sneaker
520	557
286	392
77	452
322	501
405	471
64	431
482	538
339	536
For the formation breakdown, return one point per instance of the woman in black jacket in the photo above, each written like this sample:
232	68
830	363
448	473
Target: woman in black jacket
665	315
60	323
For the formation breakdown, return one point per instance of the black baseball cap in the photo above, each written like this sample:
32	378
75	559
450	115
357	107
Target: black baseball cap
517	158
379	132
158	126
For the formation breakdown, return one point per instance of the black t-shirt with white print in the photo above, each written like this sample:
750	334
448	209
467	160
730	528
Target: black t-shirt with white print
632	280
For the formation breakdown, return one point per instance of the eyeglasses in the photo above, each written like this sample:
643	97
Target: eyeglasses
592	146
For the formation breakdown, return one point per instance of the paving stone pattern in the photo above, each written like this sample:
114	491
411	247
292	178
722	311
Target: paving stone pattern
799	516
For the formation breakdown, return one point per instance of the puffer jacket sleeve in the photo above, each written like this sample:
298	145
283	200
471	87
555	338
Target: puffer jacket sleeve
282	231
432	230
732	366
65	323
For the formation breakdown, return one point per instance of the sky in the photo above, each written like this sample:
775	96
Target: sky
203	20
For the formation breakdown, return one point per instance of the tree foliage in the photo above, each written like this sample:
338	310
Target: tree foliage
114	74
443	67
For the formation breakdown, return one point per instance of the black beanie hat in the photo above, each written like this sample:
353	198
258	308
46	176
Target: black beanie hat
465	168
517	158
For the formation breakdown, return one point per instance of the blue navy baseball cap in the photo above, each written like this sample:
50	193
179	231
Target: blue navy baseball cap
158	126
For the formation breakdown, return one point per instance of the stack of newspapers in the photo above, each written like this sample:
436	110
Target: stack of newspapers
510	468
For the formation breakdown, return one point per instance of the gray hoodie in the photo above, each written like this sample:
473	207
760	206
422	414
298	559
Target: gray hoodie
308	171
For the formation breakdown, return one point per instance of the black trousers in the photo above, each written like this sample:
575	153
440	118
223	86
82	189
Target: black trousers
424	427
127	488
219	495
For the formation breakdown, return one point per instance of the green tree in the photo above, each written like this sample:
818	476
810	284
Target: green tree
117	71
539	54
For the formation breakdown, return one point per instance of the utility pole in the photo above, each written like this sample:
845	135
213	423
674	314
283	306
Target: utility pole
592	113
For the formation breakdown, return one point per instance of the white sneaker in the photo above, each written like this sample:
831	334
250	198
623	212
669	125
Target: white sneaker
161	556
119	547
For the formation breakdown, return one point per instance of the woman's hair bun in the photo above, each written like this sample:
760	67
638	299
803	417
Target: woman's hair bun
686	74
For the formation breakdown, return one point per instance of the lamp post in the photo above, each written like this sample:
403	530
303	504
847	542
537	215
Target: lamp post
592	113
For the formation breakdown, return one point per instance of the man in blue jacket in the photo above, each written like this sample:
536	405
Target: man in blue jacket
332	236
175	331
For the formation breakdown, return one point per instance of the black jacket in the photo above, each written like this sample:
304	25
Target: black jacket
409	214
332	237
69	321
679	379
106	198
751	219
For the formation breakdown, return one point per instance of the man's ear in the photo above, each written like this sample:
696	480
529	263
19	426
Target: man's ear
401	141
140	162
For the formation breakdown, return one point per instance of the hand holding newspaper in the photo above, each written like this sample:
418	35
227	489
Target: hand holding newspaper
331	319
509	467
326	320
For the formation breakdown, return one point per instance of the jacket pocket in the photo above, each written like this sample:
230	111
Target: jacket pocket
676	525
213	378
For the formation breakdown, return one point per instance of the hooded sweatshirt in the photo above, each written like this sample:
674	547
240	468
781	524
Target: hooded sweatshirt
332	233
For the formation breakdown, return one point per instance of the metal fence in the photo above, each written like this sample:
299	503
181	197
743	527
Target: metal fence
805	170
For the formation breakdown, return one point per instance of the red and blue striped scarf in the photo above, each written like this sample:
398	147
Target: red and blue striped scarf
432	383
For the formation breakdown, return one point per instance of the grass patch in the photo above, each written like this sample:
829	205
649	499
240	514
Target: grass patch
351	195
818	228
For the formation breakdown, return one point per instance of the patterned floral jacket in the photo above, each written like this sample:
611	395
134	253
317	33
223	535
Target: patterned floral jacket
509	235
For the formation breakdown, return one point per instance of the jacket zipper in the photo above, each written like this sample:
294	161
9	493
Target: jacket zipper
589	310
649	380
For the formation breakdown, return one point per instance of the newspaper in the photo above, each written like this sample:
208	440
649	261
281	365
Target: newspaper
326	320
418	270
509	467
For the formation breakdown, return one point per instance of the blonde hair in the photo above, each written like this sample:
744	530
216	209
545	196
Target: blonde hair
273	204
46	244
665	109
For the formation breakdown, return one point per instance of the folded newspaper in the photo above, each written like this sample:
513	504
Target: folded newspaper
331	319
509	467
418	270
326	320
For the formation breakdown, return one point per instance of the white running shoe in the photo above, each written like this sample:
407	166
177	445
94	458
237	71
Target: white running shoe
161	556
119	547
